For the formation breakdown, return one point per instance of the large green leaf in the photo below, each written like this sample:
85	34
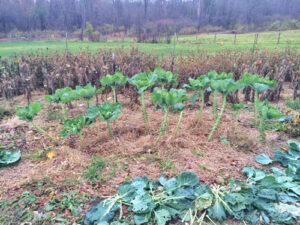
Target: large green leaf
187	179
263	159
294	145
86	92
143	81
27	113
165	77
162	216
114	80
9	157
109	111
142	203
217	211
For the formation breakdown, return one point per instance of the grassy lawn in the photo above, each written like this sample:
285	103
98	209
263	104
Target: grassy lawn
184	45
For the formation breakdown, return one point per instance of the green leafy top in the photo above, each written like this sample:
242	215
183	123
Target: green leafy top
224	76
167	99
143	81
73	126
237	106
27	113
181	96
109	111
212	75
201	83
225	86
63	95
268	111
257	82
87	92
165	77
114	80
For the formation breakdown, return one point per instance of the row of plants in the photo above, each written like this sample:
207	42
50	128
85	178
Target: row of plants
53	70
268	196
167	99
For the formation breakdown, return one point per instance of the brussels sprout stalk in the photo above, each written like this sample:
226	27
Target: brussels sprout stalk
110	131
218	118
163	125
256	105
63	110
262	130
81	138
214	106
42	131
201	106
114	94
145	115
178	123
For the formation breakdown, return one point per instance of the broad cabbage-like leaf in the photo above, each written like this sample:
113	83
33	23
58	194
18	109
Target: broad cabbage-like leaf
142	203
217	211
114	80
162	216
263	159
9	157
165	77
143	81
224	86
27	113
73	126
187	179
57	96
86	92
109	111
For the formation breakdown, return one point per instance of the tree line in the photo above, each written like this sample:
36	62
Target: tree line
142	16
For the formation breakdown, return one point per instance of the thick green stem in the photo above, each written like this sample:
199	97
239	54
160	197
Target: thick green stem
163	125
42	131
64	112
81	138
236	121
218	119
215	93
262	130
201	106
110	131
145	116
88	102
256	102
114	94
162	86
178	123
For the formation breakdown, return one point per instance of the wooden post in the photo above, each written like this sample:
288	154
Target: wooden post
234	39
256	38
278	39
66	41
215	38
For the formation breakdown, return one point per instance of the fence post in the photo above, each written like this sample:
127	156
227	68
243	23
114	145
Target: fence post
215	38
256	38
234	39
278	39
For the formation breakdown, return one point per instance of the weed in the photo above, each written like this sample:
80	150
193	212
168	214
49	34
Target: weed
197	153
203	167
166	164
95	170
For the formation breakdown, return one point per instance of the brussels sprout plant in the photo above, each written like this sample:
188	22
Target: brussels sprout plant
258	84
74	127
225	87
236	112
28	113
143	81
114	81
200	84
62	96
165	77
167	100
108	112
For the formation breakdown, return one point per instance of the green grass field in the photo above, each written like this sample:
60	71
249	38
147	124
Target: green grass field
184	44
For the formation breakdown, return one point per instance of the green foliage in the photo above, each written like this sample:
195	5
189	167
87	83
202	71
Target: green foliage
108	112
87	92
95	170
295	105
63	95
143	81
9	157
165	77
168	100
225	87
113	81
89	30
237	109
72	126
267	113
27	113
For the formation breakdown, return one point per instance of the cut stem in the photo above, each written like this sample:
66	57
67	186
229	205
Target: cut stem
201	106
218	119
145	115
42	131
110	131
163	125
64	112
215	94
178	123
